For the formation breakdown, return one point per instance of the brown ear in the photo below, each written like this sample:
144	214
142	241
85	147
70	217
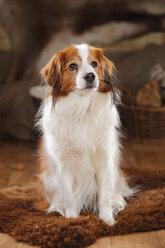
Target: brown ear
109	75
52	72
108	68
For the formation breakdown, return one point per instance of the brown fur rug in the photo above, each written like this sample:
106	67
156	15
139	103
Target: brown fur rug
144	212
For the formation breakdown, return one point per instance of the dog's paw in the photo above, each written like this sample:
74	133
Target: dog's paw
53	208
70	213
106	214
110	222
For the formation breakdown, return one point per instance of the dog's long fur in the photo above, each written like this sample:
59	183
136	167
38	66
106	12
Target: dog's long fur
80	148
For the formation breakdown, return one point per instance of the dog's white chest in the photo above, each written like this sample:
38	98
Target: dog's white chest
79	121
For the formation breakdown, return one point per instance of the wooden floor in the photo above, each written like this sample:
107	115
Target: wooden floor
14	156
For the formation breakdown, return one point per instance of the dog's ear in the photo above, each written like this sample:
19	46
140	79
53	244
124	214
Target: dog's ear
52	72
109	76
108	69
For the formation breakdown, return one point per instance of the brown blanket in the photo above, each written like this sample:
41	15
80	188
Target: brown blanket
144	212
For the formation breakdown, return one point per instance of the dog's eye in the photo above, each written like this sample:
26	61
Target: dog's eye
94	64
72	67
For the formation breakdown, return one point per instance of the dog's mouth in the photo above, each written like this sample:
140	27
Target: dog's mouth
90	86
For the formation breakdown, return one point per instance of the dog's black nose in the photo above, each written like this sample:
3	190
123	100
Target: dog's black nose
89	77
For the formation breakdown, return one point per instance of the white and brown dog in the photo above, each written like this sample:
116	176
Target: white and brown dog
80	149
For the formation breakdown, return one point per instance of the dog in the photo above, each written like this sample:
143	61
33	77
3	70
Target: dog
80	145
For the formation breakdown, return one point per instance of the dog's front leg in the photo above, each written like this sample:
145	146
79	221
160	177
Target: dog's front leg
106	182
105	197
70	166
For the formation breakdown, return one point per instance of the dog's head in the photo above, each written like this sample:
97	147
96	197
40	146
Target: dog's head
79	68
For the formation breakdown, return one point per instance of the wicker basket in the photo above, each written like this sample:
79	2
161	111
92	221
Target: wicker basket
144	122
